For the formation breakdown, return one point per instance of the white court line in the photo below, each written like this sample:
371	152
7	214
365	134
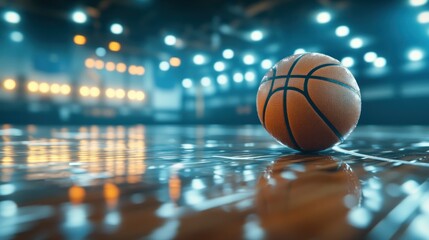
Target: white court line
387	227
390	160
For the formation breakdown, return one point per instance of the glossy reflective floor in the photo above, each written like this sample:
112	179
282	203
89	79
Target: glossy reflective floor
210	182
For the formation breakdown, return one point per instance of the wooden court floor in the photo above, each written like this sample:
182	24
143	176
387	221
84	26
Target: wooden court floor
210	182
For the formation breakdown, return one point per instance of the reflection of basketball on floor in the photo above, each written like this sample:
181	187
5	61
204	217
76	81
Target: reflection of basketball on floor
305	199
309	102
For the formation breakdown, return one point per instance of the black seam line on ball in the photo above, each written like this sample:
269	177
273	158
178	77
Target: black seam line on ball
313	105
317	78
288	127
270	93
295	89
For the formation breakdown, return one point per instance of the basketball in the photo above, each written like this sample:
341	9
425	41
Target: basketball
309	102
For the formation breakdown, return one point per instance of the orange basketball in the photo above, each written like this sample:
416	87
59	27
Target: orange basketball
309	102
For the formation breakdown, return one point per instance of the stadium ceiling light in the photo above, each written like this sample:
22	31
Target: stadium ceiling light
16	36
79	17
12	17
415	55
249	59
380	62
250	76
206	81
228	53
323	17
116	28
170	40
199	59
222	79
342	31
256	35
348	62
219	66
187	83
370	57
164	66
266	64
238	77
356	43
300	51
417	3
423	17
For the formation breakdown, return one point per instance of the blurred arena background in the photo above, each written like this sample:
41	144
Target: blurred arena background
166	61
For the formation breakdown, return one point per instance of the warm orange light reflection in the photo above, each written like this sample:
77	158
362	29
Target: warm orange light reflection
140	96
111	194
110	66
99	64
79	39
140	70
175	61
90	63
120	93
33	86
44	87
84	91
114	46
121	67
174	186
94	92
110	93
131	94
76	194
132	70
9	84
55	88
65	89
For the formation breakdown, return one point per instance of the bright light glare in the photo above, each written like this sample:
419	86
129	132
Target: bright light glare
415	55
342	31
222	79
16	36
12	17
423	17
33	86
199	59
266	64
416	3
116	28
238	77
380	62
356	43
205	81
84	91
187	83
44	87
248	59
164	66
370	57
55	88
228	53
348	62
170	40
323	17
79	17
114	46
300	51
250	76
9	84
256	35
219	66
